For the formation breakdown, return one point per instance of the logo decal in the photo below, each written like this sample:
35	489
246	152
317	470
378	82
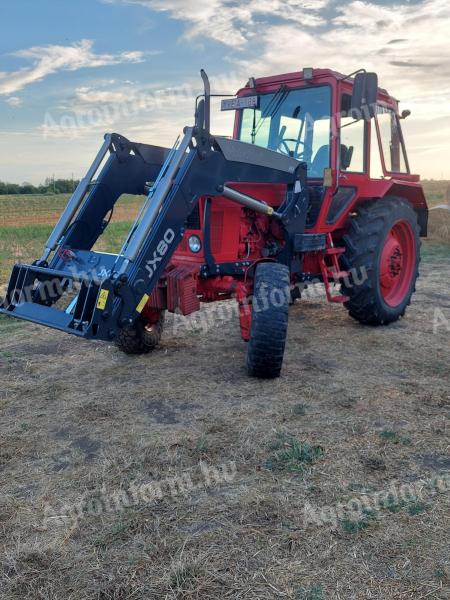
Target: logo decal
161	250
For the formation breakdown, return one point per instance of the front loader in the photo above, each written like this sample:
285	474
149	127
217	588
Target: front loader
254	217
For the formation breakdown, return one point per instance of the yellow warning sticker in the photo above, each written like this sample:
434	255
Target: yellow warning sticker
142	303
102	299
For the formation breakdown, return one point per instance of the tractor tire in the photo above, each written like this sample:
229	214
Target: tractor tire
140	338
382	255
271	297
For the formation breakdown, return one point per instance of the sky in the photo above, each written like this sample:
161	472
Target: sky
72	70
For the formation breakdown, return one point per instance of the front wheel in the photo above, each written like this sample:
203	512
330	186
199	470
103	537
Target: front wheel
382	255
141	337
271	297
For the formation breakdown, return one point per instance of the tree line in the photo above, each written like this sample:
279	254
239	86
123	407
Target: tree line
50	186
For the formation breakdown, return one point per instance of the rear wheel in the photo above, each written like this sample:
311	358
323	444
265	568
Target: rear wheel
141	337
382	255
271	296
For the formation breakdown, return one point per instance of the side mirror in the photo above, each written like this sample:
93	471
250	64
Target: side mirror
364	97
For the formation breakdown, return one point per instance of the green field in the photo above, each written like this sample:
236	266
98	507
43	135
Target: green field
27	220
25	244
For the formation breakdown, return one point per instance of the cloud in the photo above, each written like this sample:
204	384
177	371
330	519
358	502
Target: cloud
283	35
14	101
148	112
118	96
407	43
46	60
416	68
230	22
87	96
354	38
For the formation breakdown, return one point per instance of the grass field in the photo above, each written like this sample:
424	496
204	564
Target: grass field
437	192
18	210
173	476
26	222
25	243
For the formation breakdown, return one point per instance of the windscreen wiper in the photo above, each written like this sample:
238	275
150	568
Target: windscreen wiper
271	109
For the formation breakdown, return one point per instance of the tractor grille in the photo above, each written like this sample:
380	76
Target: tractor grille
216	231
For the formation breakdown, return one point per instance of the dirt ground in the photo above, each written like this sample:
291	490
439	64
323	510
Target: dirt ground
173	475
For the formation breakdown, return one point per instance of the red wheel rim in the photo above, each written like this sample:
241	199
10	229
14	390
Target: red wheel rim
397	263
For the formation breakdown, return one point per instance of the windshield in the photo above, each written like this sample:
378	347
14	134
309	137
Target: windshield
293	122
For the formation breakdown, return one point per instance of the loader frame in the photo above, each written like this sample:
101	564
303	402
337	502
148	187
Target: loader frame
114	290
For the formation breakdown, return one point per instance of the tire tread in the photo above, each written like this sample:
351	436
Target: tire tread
269	327
363	241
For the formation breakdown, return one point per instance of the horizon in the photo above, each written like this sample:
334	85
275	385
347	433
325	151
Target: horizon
66	80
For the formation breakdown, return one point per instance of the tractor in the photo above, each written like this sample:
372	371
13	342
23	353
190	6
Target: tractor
313	186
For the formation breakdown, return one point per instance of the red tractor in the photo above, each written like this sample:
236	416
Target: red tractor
314	186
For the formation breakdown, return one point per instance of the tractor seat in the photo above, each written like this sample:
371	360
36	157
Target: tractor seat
321	160
346	156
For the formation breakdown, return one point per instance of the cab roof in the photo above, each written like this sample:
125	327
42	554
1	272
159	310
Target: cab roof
318	74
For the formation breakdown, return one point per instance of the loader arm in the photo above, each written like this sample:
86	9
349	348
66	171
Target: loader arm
112	290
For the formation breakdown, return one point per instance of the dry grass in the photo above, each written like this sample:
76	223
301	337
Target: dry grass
356	411
436	191
19	210
439	225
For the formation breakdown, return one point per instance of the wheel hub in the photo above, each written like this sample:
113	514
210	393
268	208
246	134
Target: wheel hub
397	263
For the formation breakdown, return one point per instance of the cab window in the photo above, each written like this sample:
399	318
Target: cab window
295	122
353	136
391	140
376	168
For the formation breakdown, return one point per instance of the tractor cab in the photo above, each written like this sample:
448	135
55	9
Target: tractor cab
345	129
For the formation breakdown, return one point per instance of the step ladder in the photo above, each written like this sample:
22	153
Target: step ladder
331	271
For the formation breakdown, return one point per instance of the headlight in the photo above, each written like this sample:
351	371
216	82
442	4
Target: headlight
195	244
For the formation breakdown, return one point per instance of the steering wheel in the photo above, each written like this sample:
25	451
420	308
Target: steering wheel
284	148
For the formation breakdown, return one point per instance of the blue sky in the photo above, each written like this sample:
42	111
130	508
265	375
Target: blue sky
72	69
